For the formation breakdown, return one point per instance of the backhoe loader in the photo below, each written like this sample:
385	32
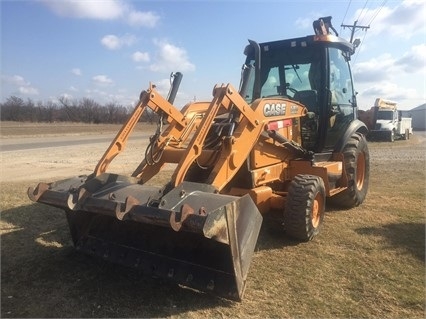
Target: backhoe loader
286	140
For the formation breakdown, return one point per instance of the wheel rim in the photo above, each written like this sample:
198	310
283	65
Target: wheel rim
317	210
360	171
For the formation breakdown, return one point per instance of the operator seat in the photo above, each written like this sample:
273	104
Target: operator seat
308	98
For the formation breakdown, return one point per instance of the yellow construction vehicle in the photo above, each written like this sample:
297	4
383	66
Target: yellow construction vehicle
287	140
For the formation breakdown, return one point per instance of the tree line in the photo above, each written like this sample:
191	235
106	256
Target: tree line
84	110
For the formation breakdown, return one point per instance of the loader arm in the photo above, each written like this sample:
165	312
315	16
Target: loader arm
154	101
238	147
225	97
171	141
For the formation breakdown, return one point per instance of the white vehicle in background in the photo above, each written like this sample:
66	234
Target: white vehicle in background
388	122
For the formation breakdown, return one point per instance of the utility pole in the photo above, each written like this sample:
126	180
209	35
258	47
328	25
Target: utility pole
353	27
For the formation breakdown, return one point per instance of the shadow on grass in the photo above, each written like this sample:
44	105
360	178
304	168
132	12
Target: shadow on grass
43	276
272	233
407	236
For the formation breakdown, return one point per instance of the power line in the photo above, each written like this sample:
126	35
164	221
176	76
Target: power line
347	9
378	11
362	10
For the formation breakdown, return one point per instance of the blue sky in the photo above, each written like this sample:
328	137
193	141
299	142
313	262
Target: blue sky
109	50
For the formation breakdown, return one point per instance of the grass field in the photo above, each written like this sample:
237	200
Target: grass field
368	262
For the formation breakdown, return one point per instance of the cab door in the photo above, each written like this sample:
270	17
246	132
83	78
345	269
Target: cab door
341	110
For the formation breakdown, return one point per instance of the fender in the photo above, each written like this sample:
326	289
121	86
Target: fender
356	126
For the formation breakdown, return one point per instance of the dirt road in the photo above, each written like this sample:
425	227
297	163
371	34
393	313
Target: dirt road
47	157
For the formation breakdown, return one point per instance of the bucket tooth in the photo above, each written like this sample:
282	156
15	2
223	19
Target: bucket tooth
177	219
35	193
122	210
76	198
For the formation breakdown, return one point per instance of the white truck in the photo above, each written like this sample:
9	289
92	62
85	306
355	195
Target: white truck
388	122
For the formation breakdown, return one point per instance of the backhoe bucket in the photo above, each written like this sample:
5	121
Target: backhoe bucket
190	235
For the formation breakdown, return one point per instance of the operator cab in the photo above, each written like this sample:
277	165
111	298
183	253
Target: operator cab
313	71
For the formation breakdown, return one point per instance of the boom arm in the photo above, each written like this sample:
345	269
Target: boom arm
224	97
151	99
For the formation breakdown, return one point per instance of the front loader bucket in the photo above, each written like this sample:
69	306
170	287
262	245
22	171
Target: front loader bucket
191	235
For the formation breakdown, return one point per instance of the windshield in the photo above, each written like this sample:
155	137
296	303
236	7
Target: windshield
285	71
385	115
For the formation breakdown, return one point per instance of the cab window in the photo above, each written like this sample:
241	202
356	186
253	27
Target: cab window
341	111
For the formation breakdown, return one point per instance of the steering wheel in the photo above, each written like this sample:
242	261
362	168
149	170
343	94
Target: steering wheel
294	91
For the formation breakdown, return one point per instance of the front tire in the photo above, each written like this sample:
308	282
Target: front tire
392	136
305	207
357	166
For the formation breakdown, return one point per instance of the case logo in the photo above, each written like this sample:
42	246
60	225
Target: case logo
274	109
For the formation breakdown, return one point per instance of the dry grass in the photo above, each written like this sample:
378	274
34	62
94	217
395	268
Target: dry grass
368	262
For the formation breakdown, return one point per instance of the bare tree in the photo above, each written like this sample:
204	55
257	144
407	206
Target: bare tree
84	110
11	109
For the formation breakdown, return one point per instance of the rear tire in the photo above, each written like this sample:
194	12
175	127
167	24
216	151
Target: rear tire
305	207
357	166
